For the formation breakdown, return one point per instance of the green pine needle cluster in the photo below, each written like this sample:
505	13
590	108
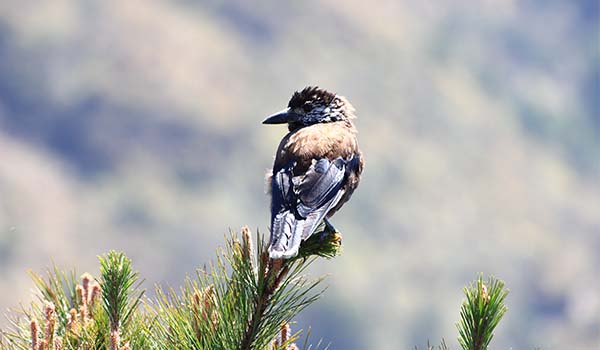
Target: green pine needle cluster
69	314
480	313
120	296
326	244
241	302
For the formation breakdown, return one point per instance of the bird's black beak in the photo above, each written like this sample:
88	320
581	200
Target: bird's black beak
285	116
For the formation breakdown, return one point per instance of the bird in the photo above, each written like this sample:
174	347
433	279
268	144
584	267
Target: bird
317	167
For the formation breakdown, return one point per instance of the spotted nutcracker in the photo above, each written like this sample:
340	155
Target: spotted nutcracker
317	167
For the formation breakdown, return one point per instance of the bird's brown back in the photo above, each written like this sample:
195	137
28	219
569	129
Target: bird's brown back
323	140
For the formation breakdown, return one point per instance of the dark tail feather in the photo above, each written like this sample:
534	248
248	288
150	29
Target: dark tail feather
286	236
287	232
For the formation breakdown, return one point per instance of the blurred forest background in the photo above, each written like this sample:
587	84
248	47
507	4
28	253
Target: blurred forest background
135	125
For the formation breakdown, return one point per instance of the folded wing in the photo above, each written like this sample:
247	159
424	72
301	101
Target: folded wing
300	202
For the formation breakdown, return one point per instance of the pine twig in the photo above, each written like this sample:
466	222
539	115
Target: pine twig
118	286
276	271
480	313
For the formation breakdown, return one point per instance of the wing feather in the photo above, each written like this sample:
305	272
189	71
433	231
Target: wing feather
299	203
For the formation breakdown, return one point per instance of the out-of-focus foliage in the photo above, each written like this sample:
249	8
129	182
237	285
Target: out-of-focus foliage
134	126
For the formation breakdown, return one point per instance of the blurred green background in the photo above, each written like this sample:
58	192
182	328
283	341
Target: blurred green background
135	125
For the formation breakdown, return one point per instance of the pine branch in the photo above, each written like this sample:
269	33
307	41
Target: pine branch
325	244
239	302
276	288
480	313
120	300
276	271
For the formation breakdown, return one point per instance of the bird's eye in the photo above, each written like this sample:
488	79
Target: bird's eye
307	107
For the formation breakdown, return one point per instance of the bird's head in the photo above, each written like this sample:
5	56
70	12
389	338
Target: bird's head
311	106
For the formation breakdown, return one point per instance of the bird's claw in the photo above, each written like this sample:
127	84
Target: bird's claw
329	229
